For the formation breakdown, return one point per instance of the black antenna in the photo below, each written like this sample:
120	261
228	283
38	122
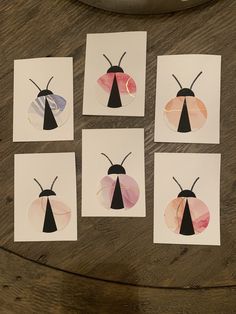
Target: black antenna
125	158
53	182
107	59
178	184
107	158
194	183
35	84
38	184
195	79
121	58
177	80
49	82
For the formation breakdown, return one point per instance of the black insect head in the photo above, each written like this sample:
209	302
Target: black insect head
115	68
46	192
186	91
45	91
186	193
117	168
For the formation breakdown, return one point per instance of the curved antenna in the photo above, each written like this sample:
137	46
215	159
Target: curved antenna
178	184
125	158
194	183
195	79
107	158
39	184
53	182
35	84
177	80
49	82
121	58
107	59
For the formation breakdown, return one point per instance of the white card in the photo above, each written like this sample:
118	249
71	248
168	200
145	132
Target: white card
43	100
45	204
188	99
115	67
113	178
192	217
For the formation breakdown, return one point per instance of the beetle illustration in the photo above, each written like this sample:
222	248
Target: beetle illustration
185	112
116	88
186	214
48	111
117	189
48	213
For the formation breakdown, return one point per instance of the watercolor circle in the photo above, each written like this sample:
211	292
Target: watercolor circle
174	212
37	211
197	112
115	90
129	191
59	110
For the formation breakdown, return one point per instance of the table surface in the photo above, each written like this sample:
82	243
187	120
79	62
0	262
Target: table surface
114	266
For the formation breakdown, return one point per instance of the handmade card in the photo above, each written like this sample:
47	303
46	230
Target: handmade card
43	100
187	198
45	205
188	99
113	179
115	66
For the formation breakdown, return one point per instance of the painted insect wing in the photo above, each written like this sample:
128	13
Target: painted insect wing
116	90
177	211
185	114
57	106
38	213
128	187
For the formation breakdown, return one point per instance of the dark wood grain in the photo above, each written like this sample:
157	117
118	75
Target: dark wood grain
39	289
111	249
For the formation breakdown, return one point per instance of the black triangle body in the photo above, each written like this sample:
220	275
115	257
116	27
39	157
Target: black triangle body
49	122
187	223
117	199
49	221
114	100
184	123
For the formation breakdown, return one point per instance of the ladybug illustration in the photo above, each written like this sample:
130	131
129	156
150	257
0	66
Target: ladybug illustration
48	111
185	112
48	213
186	214
117	189
116	88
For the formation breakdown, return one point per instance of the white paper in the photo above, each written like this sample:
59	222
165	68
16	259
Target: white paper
29	214
186	168
116	144
133	63
28	122
206	89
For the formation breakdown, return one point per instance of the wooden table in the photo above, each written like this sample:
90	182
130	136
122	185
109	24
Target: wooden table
114	267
